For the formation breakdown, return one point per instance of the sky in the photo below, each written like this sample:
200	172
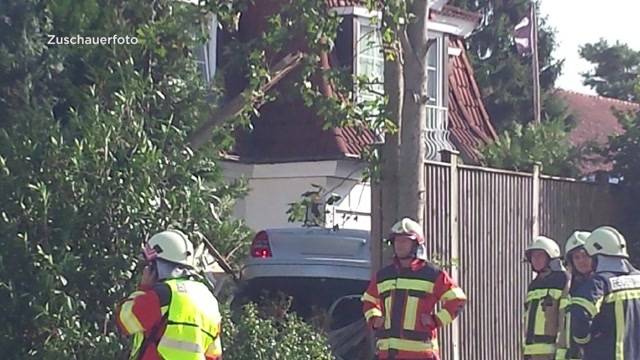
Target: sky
585	21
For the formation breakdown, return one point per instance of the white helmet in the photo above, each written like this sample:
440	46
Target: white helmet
575	241
409	227
606	240
170	245
545	244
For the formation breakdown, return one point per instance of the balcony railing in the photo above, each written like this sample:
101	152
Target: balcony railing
437	134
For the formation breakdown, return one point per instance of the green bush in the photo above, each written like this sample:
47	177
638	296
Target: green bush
520	146
250	336
93	159
623	150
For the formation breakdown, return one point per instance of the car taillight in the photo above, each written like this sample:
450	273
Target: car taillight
260	246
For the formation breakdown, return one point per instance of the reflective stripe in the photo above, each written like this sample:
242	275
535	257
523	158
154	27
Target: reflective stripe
564	302
128	319
453	293
589	306
405	284
620	330
567	331
623	295
582	341
407	345
369	298
539	349
181	345
387	312
541	293
444	316
410	313
561	354
539	321
371	313
136	344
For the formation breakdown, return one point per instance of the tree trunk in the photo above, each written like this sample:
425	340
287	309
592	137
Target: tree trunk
411	196
394	90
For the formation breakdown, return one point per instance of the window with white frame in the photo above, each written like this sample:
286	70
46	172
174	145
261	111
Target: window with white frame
435	71
436	76
206	54
369	59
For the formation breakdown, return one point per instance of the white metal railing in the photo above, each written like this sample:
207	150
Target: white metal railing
437	133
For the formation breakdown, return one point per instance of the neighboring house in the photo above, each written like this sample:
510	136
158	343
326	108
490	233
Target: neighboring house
595	121
287	151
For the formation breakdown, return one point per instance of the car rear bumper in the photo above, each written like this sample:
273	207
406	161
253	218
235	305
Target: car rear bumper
348	271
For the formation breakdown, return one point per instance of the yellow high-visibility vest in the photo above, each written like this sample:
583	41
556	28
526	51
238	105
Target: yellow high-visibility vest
193	322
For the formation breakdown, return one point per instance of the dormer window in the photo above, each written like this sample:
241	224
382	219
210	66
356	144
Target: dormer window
369	59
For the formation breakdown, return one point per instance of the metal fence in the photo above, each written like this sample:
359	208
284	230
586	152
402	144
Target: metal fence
478	222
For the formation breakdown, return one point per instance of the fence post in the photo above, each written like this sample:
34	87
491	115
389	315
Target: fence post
535	203
453	158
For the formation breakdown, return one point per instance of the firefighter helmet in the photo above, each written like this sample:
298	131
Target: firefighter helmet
409	227
170	245
574	242
606	240
545	244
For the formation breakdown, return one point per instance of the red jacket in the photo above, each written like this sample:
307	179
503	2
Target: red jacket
406	298
140	312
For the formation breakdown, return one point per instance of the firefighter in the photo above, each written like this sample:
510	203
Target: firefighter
580	269
542	306
605	315
399	303
172	315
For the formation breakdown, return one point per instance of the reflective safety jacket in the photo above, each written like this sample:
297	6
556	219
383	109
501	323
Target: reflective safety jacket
542	313
406	298
606	320
568	349
177	319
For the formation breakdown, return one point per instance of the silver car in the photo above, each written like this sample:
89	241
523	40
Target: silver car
323	271
309	252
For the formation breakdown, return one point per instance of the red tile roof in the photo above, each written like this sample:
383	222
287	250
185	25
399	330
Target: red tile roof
469	122
459	13
595	122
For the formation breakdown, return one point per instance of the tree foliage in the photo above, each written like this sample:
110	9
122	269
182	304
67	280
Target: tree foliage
521	146
505	77
617	69
94	158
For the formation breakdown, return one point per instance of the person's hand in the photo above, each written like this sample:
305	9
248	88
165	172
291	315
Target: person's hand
428	321
148	277
377	322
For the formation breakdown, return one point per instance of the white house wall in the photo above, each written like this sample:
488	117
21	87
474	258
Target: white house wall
273	186
354	210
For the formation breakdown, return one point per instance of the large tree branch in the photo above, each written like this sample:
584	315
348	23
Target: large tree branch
234	108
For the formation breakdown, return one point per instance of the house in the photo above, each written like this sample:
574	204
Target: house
595	121
287	151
